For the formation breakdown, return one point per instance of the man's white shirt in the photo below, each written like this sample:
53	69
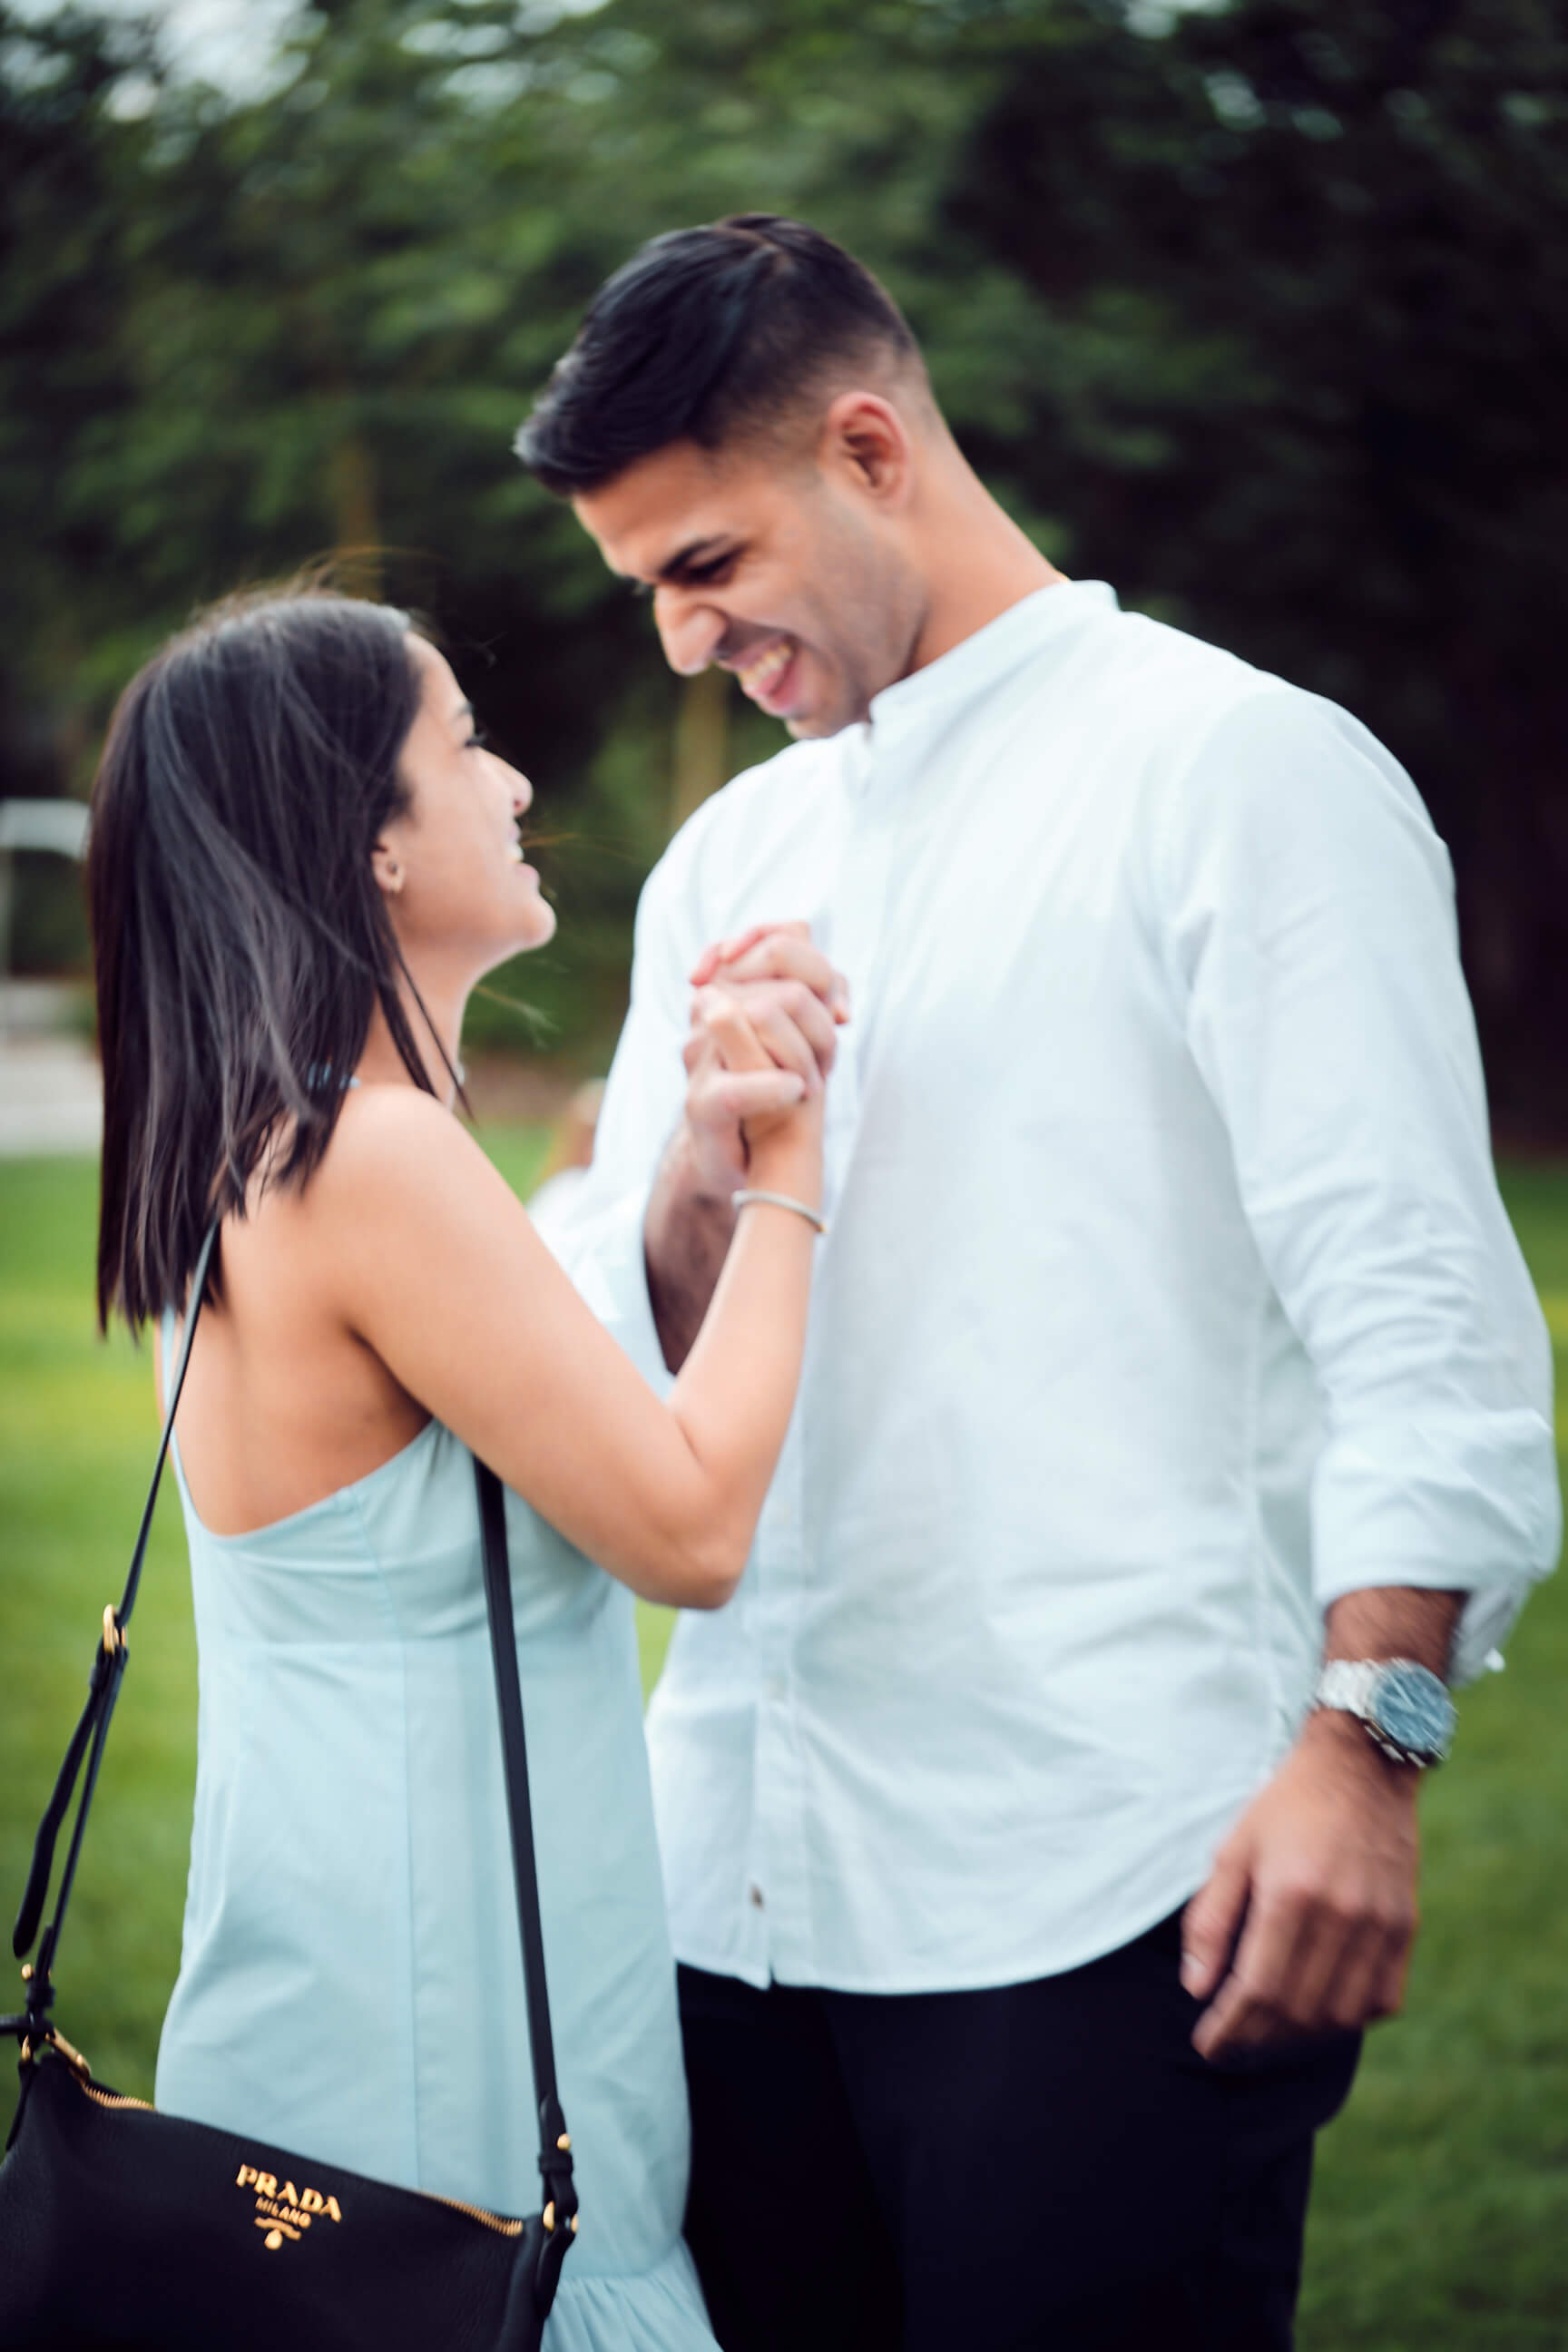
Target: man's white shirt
1167	1297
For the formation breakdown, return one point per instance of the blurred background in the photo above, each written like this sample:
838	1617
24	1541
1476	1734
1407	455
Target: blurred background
1258	311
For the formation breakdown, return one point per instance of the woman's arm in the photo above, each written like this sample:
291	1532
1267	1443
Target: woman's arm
440	1271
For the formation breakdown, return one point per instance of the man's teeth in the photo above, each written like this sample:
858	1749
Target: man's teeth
768	669
514	851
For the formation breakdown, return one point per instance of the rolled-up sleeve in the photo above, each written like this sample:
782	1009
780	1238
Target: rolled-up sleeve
595	1230
1307	910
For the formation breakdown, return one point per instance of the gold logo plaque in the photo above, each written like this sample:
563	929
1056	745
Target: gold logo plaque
283	2212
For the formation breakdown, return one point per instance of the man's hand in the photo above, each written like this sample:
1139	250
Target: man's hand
1306	1923
772	952
1307	1920
729	1100
777	997
793	1000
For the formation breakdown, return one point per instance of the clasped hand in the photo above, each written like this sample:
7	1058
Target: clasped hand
765	1011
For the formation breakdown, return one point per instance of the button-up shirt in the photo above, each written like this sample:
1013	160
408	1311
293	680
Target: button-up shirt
1167	1295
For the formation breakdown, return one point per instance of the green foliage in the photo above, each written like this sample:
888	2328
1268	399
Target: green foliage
1257	310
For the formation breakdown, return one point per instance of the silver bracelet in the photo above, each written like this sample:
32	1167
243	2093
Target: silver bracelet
781	1201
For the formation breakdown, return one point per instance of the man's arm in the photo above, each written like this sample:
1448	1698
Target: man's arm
1306	1923
685	1241
1307	910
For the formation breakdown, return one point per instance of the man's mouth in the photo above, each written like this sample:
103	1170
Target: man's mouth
763	671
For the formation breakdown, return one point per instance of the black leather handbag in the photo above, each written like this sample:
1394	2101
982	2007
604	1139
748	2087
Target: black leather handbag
122	2226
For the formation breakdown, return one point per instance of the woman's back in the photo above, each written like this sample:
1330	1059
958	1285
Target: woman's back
285	1402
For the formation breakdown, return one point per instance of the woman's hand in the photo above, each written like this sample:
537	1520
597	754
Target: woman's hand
765	1011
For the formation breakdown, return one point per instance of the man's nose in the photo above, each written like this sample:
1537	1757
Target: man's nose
689	630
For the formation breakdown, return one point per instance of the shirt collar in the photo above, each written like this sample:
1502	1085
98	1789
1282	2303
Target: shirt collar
978	662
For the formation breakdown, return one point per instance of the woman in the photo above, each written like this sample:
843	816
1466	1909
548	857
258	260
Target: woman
303	859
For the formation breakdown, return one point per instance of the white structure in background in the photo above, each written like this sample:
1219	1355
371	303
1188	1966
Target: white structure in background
44	825
51	1095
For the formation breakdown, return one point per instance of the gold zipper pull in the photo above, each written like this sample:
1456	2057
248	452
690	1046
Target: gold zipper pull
71	2055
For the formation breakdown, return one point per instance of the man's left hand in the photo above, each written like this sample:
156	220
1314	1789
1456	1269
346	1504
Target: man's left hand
1306	1923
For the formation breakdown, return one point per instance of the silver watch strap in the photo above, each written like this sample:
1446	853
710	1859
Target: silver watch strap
1348	1682
1401	1704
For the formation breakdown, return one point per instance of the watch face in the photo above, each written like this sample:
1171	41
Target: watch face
1411	1707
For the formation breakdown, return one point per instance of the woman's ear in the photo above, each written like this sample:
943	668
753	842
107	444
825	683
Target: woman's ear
388	869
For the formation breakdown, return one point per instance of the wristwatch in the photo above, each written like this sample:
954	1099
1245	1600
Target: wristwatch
1403	1707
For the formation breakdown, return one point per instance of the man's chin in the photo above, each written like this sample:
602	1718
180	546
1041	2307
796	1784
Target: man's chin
814	726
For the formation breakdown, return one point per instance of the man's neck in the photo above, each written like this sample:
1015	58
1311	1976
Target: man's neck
977	561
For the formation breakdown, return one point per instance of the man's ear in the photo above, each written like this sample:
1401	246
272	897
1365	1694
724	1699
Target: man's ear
863	436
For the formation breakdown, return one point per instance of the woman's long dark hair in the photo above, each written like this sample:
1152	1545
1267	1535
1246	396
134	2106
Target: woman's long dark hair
240	941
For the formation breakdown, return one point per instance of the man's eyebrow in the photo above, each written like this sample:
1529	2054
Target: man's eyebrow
686	558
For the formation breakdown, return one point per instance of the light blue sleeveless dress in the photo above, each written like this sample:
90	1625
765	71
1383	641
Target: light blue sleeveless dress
350	1983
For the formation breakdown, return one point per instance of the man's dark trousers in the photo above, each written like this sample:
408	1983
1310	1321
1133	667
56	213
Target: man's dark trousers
1041	2165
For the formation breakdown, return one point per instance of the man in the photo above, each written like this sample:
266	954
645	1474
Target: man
1039	1822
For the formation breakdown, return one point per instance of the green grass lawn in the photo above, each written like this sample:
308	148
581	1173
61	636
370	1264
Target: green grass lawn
1440	2222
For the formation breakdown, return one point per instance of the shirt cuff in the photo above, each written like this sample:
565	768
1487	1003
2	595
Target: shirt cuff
1455	1504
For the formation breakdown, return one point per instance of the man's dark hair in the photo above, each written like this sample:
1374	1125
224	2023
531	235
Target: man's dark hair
240	941
706	335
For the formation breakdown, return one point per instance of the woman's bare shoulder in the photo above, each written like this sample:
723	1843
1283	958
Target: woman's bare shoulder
383	1103
395	1146
401	1189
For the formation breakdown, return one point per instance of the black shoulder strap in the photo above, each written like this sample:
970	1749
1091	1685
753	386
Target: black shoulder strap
555	2142
33	2026
103	1690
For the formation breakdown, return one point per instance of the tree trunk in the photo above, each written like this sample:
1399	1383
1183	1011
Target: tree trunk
701	743
356	535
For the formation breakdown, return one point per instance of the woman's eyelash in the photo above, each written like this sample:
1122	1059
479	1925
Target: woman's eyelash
642	589
477	740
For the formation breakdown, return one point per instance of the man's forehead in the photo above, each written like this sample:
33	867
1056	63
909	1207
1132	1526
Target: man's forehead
665	510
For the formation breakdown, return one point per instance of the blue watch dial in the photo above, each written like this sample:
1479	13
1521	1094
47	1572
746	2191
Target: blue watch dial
1412	1711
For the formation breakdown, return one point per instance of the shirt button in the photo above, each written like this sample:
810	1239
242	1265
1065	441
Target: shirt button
755	1896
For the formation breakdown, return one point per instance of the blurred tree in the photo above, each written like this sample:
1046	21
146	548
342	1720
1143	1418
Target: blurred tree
1257	310
301	326
71	171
